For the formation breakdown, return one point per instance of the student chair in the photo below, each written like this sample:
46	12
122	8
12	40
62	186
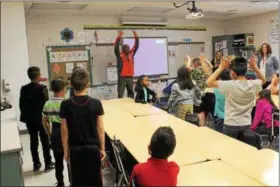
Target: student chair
134	182
210	121
273	134
252	138
275	144
118	150
192	118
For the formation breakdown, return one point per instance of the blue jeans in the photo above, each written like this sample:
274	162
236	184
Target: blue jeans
235	131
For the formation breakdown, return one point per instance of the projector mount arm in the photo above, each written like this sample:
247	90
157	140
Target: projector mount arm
178	6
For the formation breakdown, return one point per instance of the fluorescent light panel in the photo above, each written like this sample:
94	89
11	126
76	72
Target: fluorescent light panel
58	6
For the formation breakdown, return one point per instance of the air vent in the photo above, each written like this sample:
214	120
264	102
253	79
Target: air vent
58	6
232	10
149	10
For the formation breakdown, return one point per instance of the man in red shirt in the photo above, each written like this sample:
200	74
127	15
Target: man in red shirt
157	171
125	65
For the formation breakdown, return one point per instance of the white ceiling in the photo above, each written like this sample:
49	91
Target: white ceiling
219	10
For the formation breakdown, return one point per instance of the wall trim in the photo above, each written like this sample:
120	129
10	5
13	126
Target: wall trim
117	27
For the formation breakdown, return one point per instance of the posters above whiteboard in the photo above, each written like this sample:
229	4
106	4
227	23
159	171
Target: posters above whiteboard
68	56
274	31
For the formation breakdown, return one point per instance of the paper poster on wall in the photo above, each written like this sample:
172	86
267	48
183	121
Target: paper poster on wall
94	91
224	44
82	65
103	90
202	50
68	56
69	67
56	68
111	90
274	31
112	74
81	37
225	52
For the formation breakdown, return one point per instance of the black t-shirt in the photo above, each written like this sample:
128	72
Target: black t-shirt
81	113
33	96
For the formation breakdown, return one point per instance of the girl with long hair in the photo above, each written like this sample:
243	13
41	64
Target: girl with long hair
263	114
183	94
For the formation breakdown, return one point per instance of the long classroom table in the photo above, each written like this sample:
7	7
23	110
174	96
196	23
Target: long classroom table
135	109
208	142
136	138
194	145
262	166
213	173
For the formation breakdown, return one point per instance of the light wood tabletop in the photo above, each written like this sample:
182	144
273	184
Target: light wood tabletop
139	109
263	165
136	136
137	145
135	109
243	164
178	125
210	144
213	173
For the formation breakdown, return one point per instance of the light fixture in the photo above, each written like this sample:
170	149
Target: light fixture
194	12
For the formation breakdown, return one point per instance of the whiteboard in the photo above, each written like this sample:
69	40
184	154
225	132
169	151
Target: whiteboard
151	57
103	55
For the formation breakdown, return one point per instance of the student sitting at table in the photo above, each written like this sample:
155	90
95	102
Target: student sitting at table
219	109
143	92
240	93
184	94
263	114
157	171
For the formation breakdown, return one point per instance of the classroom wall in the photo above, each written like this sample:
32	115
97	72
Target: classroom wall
14	54
45	30
258	24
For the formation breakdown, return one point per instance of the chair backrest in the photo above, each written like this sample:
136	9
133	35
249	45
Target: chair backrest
252	138
210	121
275	116
119	154
275	144
192	118
134	182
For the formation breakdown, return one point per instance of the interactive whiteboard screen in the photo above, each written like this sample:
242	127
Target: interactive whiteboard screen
151	57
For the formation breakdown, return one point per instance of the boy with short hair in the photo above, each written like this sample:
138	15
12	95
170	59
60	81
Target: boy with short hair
220	98
157	171
83	135
51	117
240	93
32	99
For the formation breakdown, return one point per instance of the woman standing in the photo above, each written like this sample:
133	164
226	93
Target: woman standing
216	61
267	63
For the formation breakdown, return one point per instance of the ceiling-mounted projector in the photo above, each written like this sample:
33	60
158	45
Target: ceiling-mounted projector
194	13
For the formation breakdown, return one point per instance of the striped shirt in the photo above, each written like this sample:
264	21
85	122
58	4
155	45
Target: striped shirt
52	109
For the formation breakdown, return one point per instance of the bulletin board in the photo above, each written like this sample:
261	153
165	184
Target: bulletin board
63	59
